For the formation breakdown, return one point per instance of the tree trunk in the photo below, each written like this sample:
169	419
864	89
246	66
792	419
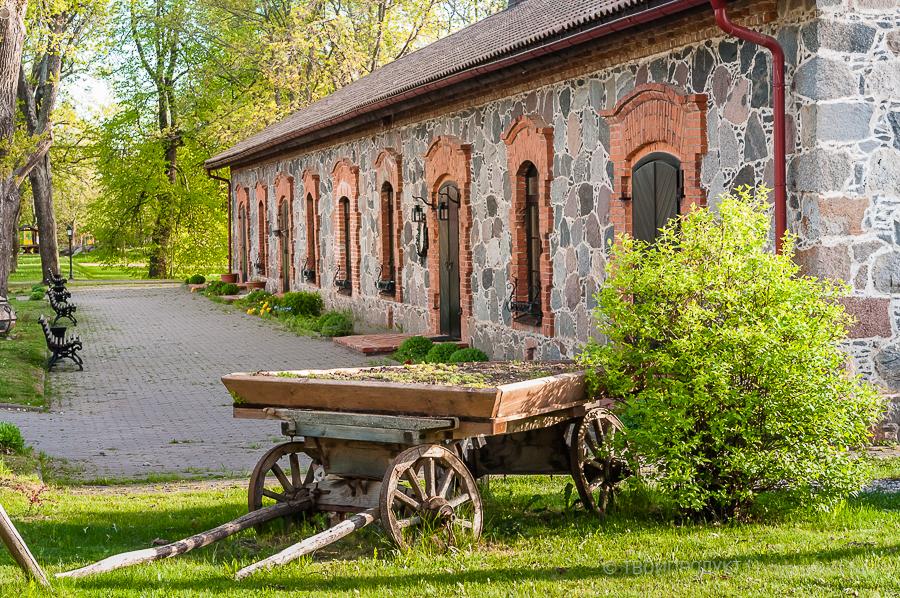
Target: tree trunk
42	191
9	209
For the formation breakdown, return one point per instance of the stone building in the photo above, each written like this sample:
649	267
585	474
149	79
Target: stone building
473	187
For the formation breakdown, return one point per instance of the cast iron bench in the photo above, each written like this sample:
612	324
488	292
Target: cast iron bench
55	279
59	346
59	293
62	308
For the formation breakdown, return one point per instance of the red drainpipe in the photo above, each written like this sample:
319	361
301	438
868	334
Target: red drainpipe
778	108
227	182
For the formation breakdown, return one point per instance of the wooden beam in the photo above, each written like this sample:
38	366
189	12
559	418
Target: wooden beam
313	543
19	551
148	555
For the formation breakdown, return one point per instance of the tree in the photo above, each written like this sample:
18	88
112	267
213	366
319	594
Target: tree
57	30
18	153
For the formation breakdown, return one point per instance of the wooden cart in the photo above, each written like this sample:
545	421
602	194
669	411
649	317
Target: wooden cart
412	452
407	455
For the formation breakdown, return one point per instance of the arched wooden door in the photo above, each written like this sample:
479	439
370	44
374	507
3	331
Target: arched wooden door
656	189
448	239
284	225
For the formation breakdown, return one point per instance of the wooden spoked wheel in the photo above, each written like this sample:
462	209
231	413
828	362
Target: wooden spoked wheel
279	476
597	466
428	494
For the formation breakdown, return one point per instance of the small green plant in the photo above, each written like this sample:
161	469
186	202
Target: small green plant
467	355
727	365
413	350
38	288
302	303
11	440
441	352
255	298
336	323
36	295
195	279
217	288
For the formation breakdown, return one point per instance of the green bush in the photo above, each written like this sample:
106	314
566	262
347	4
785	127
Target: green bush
335	323
413	350
11	440
195	279
727	365
302	303
441	352
467	355
36	295
255	298
38	288
218	288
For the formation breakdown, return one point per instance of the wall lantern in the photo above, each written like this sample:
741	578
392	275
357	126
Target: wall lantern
444	205
418	216
7	317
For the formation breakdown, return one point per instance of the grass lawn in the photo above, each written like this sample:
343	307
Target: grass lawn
23	355
533	545
84	267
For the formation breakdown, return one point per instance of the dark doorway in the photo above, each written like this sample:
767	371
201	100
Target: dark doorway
348	268
656	184
448	237
285	226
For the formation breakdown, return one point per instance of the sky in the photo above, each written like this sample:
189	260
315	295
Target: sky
89	95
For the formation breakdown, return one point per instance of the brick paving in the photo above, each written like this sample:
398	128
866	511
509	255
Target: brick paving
150	400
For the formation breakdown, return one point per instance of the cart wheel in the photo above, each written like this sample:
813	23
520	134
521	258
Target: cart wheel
278	477
429	493
596	467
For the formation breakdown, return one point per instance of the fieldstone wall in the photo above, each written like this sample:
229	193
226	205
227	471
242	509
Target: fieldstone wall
846	174
843	130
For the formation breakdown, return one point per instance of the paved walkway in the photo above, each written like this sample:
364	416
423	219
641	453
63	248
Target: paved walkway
150	400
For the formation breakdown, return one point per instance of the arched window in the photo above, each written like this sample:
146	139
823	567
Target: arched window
262	233
387	283
657	189
526	305
345	275
533	238
312	239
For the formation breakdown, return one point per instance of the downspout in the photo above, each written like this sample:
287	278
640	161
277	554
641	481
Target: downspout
210	174
778	109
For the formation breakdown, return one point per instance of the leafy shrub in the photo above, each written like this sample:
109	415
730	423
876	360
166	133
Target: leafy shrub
37	288
304	325
413	350
11	440
727	366
441	352
302	303
467	355
255	298
335	323
36	295
195	279
218	288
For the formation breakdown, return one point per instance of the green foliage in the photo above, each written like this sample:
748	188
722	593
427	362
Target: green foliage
38	288
302	303
413	350
467	355
255	298
728	366
11	440
441	352
36	295
336	323
217	288
195	279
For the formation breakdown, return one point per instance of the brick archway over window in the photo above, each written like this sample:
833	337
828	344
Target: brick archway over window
345	183
389	169
262	229
243	231
529	141
449	159
656	118
313	242
284	193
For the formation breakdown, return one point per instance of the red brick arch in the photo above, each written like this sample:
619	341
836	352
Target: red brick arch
389	169
345	183
284	192
449	159
656	118
529	140
313	242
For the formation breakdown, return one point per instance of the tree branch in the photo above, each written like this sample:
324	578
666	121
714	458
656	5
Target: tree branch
36	156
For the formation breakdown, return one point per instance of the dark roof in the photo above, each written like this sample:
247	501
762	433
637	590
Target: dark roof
518	28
